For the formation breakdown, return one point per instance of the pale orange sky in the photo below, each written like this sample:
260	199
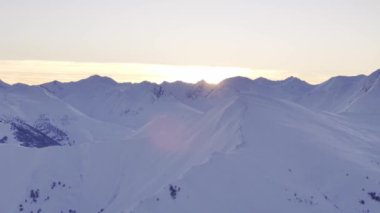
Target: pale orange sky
42	40
38	72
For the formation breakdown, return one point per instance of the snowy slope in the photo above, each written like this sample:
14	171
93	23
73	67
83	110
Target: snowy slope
240	146
368	101
291	88
291	160
131	105
334	94
3	84
37	108
346	94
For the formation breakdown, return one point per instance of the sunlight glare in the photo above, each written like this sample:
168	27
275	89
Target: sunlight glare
38	72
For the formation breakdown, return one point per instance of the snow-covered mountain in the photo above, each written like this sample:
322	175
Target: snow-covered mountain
242	145
346	94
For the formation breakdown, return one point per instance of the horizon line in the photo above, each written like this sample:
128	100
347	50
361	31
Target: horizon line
37	72
213	84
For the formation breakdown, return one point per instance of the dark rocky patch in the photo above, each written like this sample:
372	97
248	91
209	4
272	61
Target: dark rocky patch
374	196
30	136
174	191
4	139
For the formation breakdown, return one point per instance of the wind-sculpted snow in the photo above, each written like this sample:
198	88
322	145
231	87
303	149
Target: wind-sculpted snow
240	146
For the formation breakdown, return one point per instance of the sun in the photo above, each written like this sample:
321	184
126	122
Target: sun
193	74
25	72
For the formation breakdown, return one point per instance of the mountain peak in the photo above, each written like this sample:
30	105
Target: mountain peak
342	80
372	81
262	80
375	74
292	78
55	82
202	83
238	80
295	81
237	83
3	84
100	79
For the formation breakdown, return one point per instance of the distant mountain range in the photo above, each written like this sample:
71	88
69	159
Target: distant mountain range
240	146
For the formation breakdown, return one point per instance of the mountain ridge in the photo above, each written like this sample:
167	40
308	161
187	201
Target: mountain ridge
101	78
243	145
